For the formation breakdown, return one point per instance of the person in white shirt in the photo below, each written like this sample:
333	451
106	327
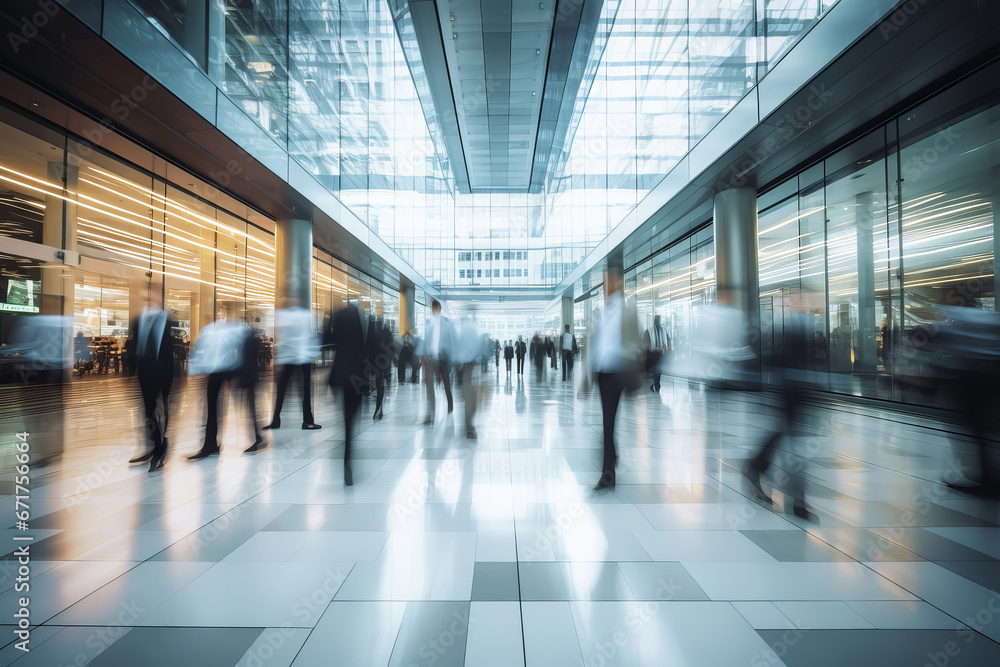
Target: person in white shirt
614	359
568	348
434	356
296	348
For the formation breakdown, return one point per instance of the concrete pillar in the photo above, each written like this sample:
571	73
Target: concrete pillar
567	311
735	227
407	305
293	273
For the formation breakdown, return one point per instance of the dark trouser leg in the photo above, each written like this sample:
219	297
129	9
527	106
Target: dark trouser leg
250	396
352	402
215	381
611	390
284	375
567	361
307	410
401	372
469	395
429	365
153	394
445	370
789	405
379	391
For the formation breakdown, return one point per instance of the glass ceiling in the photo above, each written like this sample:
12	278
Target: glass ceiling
659	76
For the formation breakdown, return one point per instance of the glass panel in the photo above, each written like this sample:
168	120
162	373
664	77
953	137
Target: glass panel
183	22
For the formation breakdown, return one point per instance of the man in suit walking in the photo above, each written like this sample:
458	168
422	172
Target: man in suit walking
520	350
155	368
508	355
348	374
656	342
615	360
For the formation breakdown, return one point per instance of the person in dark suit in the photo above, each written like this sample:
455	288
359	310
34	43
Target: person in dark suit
508	354
520	350
378	351
656	344
155	368
348	374
496	354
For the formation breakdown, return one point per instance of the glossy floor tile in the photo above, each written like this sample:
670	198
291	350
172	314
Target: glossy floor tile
497	552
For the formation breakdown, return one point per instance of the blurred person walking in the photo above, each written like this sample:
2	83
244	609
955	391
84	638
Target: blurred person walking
349	373
615	361
656	342
520	350
296	348
568	350
508	354
155	368
469	350
437	347
378	350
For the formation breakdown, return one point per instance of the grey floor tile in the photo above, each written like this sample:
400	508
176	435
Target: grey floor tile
794	546
432	633
984	573
878	648
494	582
573	581
928	545
863	545
169	647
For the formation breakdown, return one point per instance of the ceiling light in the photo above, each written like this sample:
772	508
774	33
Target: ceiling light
454	35
452	16
538	52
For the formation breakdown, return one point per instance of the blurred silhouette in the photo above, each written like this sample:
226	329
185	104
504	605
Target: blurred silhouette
614	358
378	351
965	357
496	355
656	344
568	345
520	350
468	352
792	377
508	354
438	345
226	352
155	367
295	351
349	373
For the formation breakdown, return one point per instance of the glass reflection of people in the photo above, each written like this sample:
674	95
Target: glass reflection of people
296	348
155	368
614	359
349	373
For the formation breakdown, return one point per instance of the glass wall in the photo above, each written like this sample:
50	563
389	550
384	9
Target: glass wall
882	231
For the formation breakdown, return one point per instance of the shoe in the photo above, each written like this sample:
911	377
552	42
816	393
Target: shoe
427	422
377	417
203	453
471	434
973	489
275	424
258	445
754	477
607	482
157	462
348	476
143	458
310	427
800	511
451	408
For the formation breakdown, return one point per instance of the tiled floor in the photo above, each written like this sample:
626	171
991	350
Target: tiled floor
496	552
